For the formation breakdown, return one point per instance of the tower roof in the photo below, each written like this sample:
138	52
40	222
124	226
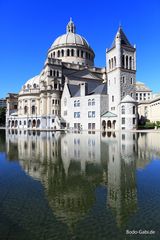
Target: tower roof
124	40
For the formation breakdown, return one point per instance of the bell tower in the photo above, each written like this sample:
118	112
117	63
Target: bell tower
121	71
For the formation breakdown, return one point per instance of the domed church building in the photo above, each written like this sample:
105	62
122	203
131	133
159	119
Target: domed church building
71	93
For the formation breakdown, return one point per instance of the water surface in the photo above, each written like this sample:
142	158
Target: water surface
79	185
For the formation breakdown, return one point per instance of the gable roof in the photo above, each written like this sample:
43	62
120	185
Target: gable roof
108	114
82	74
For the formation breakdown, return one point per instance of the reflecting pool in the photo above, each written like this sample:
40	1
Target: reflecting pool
84	186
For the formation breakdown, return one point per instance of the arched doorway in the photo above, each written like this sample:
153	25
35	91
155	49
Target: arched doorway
16	123
12	124
34	123
104	125
38	123
114	124
29	123
108	124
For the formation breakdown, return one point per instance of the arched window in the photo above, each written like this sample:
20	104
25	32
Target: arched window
93	102
58	53
54	73
123	61
109	64
55	86
89	102
33	109
68	52
62	53
78	103
34	85
81	54
134	110
57	73
77	52
87	55
72	52
123	110
25	110
127	62
50	72
114	61
53	54
130	62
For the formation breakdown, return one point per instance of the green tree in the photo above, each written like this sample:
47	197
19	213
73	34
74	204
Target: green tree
2	116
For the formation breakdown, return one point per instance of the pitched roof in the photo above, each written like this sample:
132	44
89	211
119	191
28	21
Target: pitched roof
140	86
127	99
92	88
124	39
73	89
108	114
101	89
82	74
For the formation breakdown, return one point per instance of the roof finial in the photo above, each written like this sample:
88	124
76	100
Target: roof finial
71	27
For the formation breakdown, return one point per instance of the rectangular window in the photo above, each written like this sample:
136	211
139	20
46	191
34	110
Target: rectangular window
56	101
123	120
53	101
76	114
112	98
65	113
90	114
134	121
93	114
93	125
123	136
89	126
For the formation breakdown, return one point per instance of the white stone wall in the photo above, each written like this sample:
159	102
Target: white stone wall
128	116
101	105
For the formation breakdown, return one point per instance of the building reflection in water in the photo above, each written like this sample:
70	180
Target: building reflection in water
72	166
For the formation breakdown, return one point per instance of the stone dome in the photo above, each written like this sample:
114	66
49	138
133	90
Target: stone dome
31	84
72	47
70	39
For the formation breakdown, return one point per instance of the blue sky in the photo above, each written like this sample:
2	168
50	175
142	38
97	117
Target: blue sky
28	28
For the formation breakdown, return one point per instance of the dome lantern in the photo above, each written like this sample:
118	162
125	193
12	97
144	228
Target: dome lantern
71	27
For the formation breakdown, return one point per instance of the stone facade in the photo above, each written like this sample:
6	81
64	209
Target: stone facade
69	76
